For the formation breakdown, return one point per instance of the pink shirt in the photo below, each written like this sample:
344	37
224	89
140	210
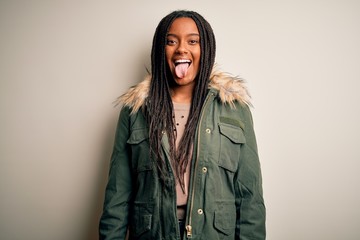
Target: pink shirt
181	111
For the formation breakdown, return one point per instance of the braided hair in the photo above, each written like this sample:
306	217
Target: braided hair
159	107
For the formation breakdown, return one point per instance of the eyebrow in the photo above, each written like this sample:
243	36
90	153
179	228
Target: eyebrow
190	34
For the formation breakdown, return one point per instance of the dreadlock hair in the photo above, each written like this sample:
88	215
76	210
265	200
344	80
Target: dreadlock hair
159	107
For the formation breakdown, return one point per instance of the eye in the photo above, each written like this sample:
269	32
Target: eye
170	42
193	41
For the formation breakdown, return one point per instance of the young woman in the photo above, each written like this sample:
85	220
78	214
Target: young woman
185	162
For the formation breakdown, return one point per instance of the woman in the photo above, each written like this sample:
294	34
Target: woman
185	162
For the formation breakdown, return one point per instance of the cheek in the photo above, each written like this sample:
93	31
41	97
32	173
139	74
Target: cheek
197	58
168	54
197	54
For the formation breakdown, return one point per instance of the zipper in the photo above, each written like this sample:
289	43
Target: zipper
189	226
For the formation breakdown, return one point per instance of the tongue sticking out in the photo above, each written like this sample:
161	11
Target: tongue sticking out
181	69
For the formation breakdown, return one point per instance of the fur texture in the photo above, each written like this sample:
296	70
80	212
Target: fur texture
230	88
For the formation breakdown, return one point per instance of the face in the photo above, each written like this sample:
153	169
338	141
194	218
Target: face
183	51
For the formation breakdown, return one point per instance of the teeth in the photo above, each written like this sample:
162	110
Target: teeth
182	61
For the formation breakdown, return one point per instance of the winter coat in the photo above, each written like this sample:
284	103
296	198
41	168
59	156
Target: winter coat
225	193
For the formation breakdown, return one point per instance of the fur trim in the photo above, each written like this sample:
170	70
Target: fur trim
136	95
230	89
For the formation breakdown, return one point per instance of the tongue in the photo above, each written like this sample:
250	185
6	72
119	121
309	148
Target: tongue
181	69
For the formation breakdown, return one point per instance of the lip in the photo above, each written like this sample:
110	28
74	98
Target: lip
181	60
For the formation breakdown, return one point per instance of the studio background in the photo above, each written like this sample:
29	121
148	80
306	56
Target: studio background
63	63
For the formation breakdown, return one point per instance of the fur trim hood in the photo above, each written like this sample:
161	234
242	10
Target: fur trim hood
230	89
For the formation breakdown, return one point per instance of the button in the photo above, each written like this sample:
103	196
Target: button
208	130
204	169
200	211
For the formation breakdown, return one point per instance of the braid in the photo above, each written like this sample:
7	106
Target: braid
159	107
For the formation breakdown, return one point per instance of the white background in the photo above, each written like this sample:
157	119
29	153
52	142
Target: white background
62	63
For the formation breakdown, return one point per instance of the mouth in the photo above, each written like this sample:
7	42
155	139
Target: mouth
182	61
181	67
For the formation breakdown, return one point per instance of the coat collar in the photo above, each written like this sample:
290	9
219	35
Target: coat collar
230	89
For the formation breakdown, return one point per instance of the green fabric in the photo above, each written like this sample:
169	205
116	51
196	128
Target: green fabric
225	193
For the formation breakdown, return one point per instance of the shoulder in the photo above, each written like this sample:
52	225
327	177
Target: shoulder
132	119
230	89
135	97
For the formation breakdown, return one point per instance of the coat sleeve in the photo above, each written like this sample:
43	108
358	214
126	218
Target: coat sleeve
114	219
250	223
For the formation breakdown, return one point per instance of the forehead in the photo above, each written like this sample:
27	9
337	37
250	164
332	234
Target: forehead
183	25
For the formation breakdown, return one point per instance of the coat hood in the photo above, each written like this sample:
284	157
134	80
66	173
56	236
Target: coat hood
230	89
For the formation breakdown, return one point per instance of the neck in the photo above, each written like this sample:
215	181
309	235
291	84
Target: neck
182	94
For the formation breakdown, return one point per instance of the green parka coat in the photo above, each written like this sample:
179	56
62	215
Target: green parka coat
225	193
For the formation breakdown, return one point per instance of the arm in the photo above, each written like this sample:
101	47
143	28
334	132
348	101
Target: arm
114	220
250	223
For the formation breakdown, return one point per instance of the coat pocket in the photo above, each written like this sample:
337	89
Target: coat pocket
141	220
139	146
225	218
231	138
144	176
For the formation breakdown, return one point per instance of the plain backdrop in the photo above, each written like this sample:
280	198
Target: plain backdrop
63	63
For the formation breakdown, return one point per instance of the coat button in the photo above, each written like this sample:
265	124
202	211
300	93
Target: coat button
204	169
208	130
200	211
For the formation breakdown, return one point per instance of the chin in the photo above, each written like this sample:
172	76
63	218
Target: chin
184	81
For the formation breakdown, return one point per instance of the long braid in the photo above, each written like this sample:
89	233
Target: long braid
207	58
159	104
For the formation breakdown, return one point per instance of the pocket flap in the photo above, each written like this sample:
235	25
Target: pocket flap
233	133
138	135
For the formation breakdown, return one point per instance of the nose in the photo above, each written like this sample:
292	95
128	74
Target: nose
181	48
